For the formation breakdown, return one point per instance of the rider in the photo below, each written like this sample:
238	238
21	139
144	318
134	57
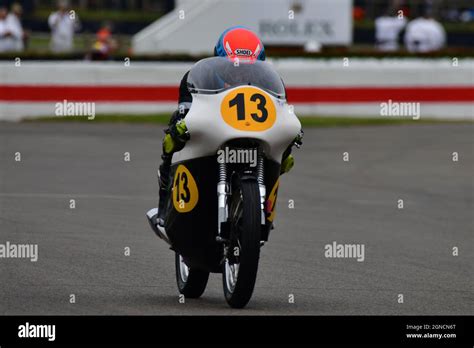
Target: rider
234	43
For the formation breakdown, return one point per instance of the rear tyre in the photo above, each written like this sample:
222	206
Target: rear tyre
240	266
191	282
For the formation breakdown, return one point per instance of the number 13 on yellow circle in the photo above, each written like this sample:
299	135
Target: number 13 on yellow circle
248	109
185	193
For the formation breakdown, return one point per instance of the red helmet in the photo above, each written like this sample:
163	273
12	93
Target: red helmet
240	42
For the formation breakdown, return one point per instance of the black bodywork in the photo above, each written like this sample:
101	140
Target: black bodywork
193	234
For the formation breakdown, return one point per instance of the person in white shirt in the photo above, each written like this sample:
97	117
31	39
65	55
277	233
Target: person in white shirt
7	43
14	23
387	30
63	24
425	34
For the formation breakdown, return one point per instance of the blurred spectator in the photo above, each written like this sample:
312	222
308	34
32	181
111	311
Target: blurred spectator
7	43
14	23
63	24
425	34
358	13
387	30
104	45
467	15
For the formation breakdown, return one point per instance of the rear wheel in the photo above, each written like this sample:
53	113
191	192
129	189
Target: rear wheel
191	282
243	250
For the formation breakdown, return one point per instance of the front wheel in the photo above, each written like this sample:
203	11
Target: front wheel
191	282
243	250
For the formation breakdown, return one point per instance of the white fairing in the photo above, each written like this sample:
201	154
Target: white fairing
209	131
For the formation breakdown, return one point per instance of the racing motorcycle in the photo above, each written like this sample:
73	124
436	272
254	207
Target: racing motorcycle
221	206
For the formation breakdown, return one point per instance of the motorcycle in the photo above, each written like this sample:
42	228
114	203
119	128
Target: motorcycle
221	205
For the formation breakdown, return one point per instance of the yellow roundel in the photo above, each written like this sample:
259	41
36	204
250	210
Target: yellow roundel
248	109
185	192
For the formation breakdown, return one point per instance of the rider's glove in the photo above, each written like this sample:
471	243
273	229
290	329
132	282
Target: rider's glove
168	144
287	164
175	138
289	161
179	131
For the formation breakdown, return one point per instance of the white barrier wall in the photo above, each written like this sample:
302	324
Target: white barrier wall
189	26
354	87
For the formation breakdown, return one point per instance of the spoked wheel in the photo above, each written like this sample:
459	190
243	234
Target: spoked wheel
243	250
191	282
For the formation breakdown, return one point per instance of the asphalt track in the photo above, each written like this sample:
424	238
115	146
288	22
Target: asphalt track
81	251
